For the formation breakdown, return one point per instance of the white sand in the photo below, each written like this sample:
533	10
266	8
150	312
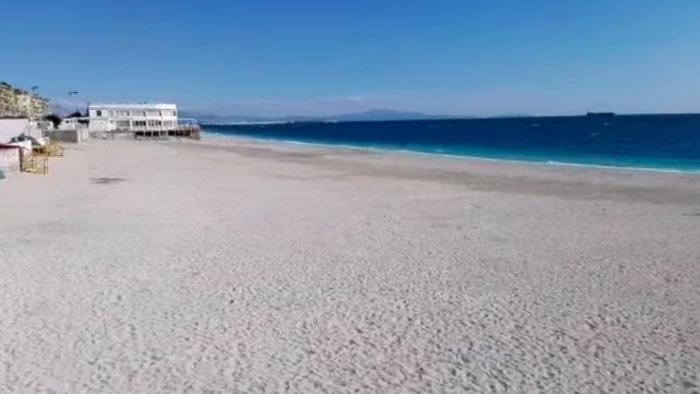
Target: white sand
237	266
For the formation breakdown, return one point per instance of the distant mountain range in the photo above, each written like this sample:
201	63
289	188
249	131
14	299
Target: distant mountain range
366	116
382	114
373	115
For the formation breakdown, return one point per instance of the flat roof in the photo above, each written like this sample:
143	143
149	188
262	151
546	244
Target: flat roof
131	106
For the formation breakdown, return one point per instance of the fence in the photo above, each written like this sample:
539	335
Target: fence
73	136
9	160
35	164
51	149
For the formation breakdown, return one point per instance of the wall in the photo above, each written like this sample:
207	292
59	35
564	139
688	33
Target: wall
111	135
84	134
12	128
9	161
68	124
100	125
73	136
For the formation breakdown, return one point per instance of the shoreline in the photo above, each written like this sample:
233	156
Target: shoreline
543	162
488	175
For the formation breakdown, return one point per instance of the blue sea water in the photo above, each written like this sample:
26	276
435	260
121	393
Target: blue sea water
655	142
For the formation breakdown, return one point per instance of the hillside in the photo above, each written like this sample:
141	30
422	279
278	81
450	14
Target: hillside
371	115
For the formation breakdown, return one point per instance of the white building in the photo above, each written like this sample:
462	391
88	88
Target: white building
68	124
151	119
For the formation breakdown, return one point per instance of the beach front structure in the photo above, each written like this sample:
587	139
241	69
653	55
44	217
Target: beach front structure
139	120
148	119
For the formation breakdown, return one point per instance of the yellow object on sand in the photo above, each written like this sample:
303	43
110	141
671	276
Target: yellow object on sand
36	164
49	149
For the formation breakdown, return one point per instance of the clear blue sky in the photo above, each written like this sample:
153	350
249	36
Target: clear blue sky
275	57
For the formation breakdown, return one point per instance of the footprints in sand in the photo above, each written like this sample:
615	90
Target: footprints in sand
106	180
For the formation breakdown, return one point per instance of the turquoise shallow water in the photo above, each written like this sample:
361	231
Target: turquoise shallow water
654	142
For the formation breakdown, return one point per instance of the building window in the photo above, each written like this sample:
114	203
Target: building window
99	113
138	113
122	113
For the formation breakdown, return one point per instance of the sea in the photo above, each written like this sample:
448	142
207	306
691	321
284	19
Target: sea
643	142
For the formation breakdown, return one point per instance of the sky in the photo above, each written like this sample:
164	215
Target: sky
323	57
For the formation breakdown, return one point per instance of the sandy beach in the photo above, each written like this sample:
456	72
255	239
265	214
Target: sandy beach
231	265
